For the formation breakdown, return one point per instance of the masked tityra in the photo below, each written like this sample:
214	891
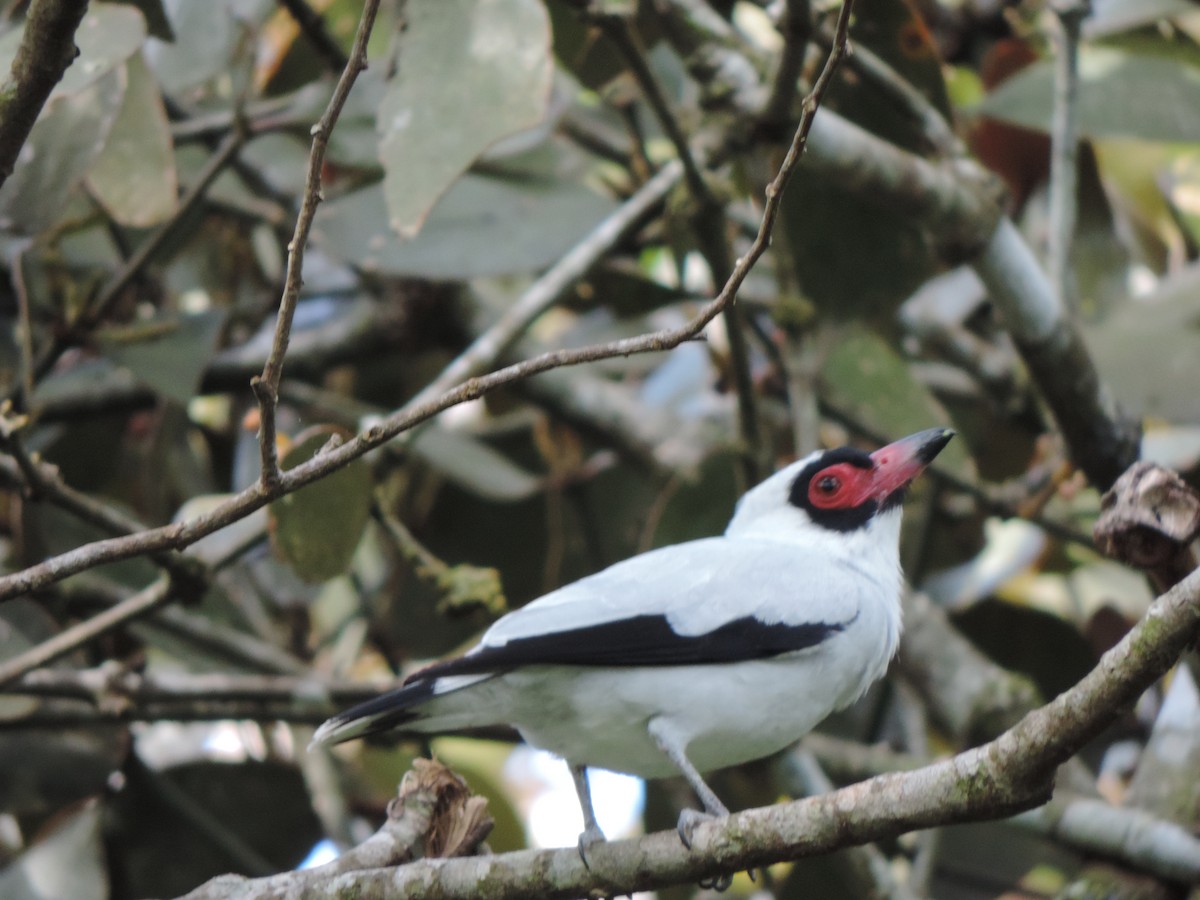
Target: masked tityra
695	656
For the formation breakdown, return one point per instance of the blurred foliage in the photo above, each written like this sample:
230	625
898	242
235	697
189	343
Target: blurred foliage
486	140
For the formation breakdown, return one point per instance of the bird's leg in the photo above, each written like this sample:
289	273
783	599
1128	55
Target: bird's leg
591	834
669	744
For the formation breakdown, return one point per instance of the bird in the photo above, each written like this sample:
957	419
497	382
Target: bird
695	656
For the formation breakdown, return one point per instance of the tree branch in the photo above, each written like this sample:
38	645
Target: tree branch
266	386
47	49
1064	146
428	402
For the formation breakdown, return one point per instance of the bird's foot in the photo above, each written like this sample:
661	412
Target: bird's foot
718	883
589	838
689	820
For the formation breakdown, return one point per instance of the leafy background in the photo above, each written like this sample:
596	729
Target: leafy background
486	139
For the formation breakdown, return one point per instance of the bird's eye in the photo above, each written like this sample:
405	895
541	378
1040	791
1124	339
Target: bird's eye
836	487
829	485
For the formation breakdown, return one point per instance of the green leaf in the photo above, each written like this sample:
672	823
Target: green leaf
134	178
474	466
483	226
825	228
65	142
109	34
470	73
1135	95
168	354
1112	16
317	528
1146	350
866	378
203	53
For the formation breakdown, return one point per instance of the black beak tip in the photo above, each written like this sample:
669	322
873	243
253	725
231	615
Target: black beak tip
933	442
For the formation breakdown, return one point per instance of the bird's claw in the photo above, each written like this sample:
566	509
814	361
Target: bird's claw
589	838
718	883
689	820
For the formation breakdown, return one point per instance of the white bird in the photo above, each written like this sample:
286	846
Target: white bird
696	656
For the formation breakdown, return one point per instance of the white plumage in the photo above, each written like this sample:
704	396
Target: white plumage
700	655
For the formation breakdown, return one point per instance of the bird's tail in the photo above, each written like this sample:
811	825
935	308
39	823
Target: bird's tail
417	707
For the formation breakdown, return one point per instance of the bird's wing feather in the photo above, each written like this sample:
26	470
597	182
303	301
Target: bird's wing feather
675	606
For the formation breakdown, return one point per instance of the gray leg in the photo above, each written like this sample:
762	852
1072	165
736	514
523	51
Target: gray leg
670	744
591	834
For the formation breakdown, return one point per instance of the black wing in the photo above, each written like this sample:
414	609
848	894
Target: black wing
646	640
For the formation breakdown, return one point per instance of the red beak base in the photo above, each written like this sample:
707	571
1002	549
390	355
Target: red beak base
897	464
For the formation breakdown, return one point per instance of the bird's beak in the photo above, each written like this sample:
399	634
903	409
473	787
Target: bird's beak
897	464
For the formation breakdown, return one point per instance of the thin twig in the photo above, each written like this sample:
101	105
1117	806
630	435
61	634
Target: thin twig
187	580
76	636
1064	146
616	29
266	386
795	26
928	119
214	693
486	349
709	224
44	481
24	328
112	291
423	407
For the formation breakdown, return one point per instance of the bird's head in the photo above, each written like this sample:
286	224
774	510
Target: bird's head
841	492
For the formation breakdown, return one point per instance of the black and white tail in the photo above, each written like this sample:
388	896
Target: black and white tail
422	705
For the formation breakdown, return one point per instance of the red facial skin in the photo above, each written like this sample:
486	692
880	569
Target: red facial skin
845	485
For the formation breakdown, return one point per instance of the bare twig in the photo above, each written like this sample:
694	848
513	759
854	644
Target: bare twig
434	816
76	636
127	696
24	328
44	481
486	349
266	386
908	99
47	48
796	27
436	397
617	30
113	290
1102	441
187	580
709	224
1064	146
1132	836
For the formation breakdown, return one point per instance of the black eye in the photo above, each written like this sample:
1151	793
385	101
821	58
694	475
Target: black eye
829	484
